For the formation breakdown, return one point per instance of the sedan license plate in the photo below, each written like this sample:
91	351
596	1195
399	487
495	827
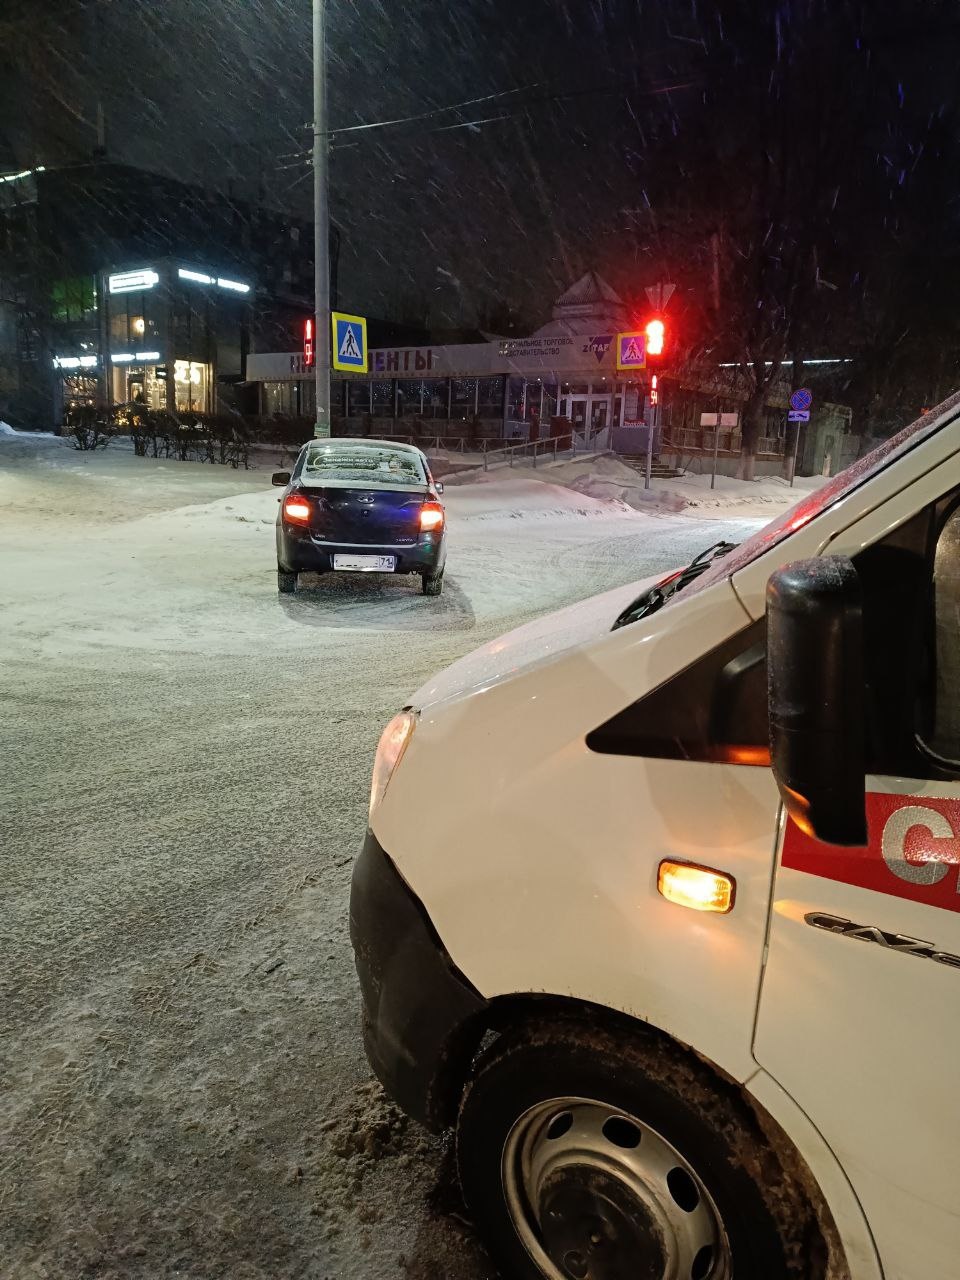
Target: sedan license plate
365	564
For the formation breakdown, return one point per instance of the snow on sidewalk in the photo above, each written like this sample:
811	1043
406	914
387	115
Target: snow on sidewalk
607	479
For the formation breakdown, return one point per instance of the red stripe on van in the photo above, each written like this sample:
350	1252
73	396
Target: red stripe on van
914	851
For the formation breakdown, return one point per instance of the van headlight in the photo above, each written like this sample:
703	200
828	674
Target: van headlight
393	743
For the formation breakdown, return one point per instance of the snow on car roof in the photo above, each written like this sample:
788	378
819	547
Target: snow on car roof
369	440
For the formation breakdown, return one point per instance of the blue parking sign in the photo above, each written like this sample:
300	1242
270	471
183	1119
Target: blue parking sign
349	346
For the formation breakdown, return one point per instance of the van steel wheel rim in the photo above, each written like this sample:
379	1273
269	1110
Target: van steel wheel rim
596	1194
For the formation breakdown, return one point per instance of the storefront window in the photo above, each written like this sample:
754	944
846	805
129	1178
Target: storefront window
409	399
515	400
534	398
140	384
192	385
462	394
551	401
383	398
279	399
79	389
435	398
490	398
359	393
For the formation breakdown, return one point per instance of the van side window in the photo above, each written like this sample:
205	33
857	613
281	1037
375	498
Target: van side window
714	711
943	733
911	627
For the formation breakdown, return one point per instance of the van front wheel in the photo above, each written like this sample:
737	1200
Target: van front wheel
588	1155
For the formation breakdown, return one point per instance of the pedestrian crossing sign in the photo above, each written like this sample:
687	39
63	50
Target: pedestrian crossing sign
632	350
349	346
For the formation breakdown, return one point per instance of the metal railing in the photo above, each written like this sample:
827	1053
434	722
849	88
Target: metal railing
691	440
452	444
554	446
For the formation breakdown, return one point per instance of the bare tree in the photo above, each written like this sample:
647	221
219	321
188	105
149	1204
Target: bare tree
776	195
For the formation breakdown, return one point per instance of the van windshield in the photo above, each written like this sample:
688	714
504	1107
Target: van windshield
825	497
336	462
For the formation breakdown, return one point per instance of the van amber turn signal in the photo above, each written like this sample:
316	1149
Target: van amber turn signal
700	888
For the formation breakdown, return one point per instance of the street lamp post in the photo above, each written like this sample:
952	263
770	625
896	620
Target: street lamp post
321	221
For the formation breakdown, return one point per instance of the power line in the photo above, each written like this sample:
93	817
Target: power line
436	111
532	102
561	96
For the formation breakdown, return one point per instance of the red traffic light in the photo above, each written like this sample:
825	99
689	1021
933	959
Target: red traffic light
308	347
655	332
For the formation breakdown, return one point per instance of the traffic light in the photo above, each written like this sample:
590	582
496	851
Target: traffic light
655	333
309	351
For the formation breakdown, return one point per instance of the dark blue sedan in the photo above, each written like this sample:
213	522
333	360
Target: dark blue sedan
360	506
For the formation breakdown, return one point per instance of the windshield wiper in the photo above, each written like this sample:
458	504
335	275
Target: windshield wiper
656	597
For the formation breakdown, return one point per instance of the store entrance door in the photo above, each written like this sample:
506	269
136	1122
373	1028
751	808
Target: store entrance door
599	414
589	414
577	412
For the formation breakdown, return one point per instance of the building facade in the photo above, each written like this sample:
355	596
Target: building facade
506	387
117	284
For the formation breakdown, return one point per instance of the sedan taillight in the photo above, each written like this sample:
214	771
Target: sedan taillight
431	517
296	509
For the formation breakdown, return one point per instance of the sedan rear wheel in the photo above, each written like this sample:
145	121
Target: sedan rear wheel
286	582
433	583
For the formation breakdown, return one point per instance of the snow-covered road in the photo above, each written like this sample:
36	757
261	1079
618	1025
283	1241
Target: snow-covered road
183	790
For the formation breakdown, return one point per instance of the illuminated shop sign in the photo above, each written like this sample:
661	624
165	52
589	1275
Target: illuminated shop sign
142	357
201	277
24	173
75	362
133	281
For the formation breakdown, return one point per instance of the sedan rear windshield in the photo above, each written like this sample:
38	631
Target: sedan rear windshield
335	462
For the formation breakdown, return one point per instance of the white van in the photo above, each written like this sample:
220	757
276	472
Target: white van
695	1012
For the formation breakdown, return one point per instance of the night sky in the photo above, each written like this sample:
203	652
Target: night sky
451	221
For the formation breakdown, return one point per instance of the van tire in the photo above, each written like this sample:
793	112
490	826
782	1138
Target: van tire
753	1217
286	582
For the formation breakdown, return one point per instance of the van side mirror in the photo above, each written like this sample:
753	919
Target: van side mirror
438	485
281	477
815	697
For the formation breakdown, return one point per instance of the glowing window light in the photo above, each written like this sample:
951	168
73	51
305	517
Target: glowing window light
188	371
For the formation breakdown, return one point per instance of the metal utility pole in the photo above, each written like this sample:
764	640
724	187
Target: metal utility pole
321	221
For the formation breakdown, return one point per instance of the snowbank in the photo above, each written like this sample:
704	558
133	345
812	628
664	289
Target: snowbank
606	479
11	433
